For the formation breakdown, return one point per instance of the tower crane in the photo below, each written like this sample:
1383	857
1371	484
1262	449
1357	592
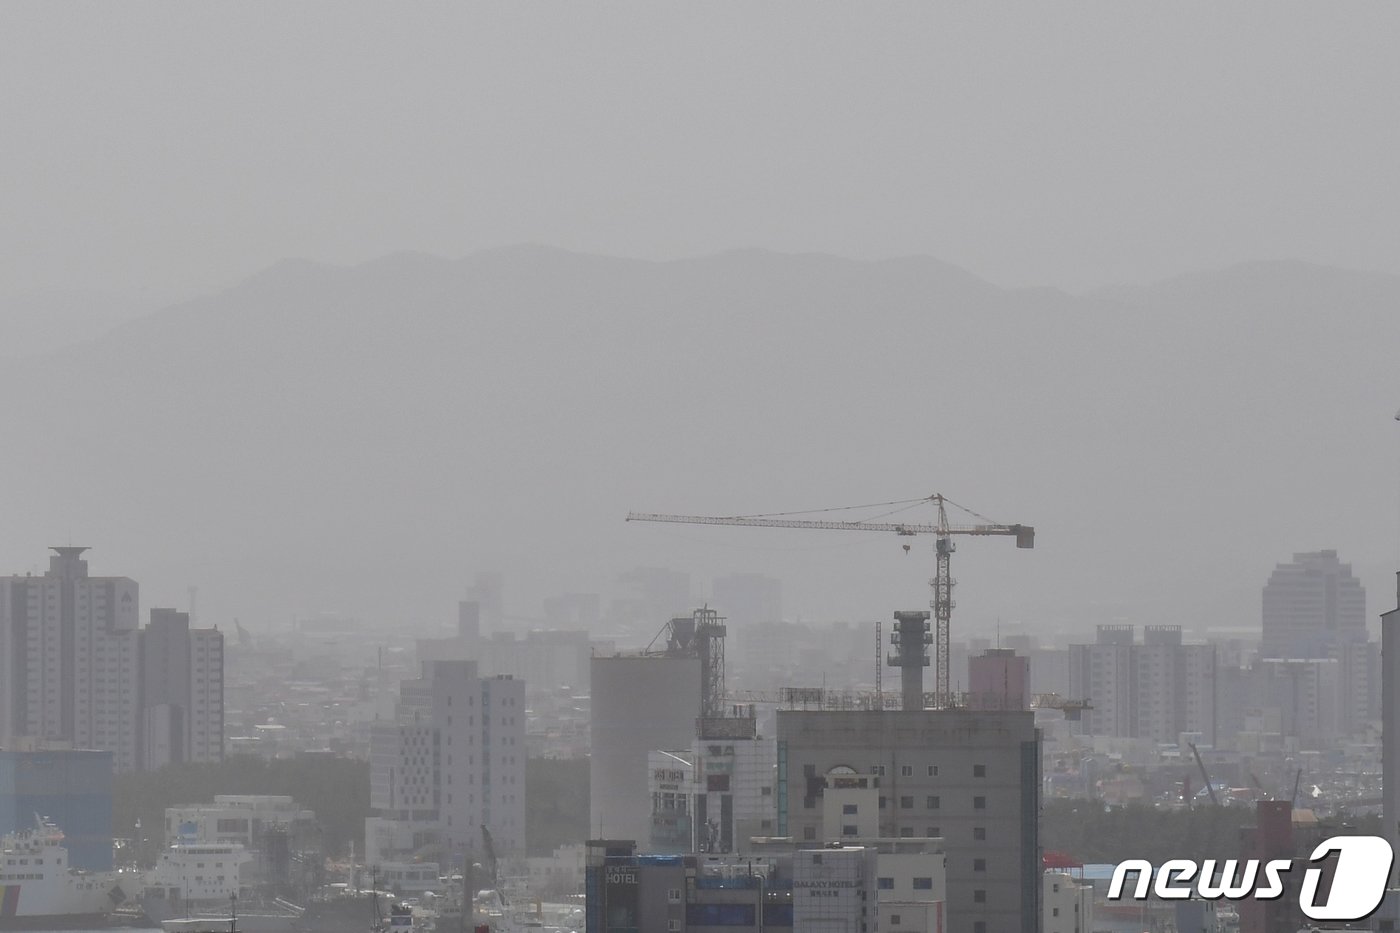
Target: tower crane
942	530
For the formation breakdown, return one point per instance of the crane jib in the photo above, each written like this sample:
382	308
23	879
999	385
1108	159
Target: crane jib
1024	534
942	583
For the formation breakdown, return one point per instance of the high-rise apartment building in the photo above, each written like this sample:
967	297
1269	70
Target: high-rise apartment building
182	691
1155	689
69	659
1300	698
451	762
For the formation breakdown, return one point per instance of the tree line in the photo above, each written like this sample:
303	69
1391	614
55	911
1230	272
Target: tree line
1092	833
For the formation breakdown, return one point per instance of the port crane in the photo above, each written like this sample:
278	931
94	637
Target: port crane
942	530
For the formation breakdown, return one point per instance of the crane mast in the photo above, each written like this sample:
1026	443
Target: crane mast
942	606
942	582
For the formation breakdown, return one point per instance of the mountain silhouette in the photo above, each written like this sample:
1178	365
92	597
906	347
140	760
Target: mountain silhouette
362	439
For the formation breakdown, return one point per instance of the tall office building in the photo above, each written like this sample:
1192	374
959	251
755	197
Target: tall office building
1155	689
69	665
972	778
182	691
1311	606
1314	608
451	762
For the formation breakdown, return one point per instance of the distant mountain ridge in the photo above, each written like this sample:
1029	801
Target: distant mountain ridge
363	438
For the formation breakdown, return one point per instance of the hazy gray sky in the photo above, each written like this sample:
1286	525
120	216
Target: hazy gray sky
169	149
157	151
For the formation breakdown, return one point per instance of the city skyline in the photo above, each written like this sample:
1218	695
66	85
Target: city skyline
430	427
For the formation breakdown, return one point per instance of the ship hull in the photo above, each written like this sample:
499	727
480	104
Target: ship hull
349	914
346	914
157	911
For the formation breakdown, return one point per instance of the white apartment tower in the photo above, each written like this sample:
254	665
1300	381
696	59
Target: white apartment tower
207	694
451	762
1155	689
182	691
69	659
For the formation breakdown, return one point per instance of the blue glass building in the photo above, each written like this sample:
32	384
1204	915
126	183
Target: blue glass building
72	789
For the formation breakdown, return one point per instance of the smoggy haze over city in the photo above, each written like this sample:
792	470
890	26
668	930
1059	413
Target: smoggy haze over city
326	309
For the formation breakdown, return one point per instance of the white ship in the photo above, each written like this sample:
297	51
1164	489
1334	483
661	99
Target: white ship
200	882
39	891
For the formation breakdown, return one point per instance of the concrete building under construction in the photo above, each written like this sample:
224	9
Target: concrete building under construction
647	700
